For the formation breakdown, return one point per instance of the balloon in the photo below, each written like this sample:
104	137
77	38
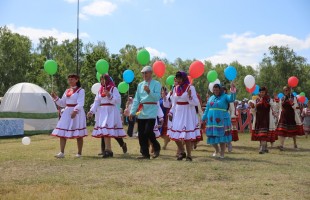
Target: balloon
306	101
95	88
143	57
230	73
170	80
294	94
301	99
302	94
128	76
217	81
26	140
98	75
190	79
159	68
102	66
123	87
251	90
280	95
292	81
256	91
249	81
50	66
196	69
212	76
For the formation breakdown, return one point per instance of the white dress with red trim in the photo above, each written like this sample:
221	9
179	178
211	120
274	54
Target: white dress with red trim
108	117
160	117
168	103
185	123
72	100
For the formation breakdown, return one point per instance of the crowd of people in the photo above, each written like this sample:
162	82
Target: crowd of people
177	115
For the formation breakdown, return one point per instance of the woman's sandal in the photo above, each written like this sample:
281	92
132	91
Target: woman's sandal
181	156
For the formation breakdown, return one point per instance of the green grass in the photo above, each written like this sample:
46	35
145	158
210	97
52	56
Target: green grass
31	172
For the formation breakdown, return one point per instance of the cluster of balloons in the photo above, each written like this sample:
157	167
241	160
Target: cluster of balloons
102	67
251	87
230	73
50	66
128	76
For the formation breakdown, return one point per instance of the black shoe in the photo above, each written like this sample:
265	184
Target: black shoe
189	158
156	154
143	158
281	148
107	154
181	156
124	147
266	151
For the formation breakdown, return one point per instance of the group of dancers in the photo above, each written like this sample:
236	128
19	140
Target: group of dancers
179	115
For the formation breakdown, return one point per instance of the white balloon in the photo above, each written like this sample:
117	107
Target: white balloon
26	140
217	81
95	88
249	81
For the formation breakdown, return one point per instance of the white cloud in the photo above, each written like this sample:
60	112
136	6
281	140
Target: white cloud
168	1
34	34
248	49
155	53
99	8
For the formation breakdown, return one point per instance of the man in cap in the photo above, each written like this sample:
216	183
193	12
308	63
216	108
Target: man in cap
145	103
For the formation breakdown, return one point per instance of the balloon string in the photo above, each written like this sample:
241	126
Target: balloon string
52	83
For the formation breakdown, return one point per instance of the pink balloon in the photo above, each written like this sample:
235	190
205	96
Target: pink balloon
159	68
196	69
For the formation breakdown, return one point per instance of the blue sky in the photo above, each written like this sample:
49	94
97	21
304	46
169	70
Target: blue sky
220	31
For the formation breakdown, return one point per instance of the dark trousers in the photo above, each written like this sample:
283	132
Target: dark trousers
146	134
119	140
131	125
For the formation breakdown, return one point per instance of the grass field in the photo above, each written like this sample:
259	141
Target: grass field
31	172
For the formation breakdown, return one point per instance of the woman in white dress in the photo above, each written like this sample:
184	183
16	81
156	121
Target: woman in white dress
108	124
185	124
72	123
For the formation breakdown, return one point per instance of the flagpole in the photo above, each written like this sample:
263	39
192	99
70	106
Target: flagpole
77	42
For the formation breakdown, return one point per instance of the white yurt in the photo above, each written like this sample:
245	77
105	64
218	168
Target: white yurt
33	105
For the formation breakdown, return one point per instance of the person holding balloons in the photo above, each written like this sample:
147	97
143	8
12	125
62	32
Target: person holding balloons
218	122
289	121
146	98
263	129
185	124
72	123
108	123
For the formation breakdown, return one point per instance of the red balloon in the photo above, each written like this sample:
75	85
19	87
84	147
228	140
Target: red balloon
190	79
301	99
292	81
251	90
196	69
159	68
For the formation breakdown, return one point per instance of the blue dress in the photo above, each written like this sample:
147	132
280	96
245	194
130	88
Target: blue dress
218	128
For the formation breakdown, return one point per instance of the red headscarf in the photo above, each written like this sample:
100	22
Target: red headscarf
180	89
109	84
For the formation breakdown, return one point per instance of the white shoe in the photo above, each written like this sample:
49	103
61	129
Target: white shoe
60	155
215	154
78	155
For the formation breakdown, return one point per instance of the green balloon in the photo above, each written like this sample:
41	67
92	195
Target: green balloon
50	66
302	94
123	87
143	57
212	76
98	75
170	80
102	66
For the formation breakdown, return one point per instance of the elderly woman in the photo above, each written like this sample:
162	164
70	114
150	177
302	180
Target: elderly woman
185	124
289	121
217	119
263	129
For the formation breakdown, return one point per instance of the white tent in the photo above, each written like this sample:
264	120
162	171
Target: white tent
31	103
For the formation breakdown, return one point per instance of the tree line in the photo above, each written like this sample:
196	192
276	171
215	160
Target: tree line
20	61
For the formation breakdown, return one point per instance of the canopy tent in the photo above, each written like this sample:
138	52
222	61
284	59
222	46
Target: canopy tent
31	103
